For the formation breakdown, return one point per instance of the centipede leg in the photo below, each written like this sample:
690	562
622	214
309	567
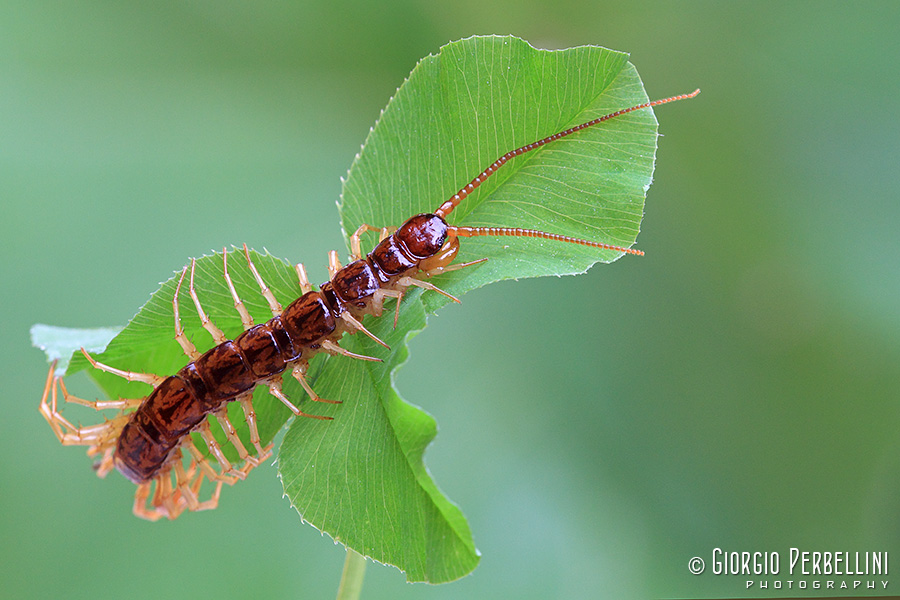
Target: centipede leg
216	450
357	326
250	416
53	417
299	373
275	390
166	498
408	281
378	302
185	493
355	249
231	434
450	268
106	463
149	378
163	502
204	465
189	349
92	435
305	286
334	264
100	438
182	482
214	331
246	319
213	501
333	348
121	404
141	495
263	288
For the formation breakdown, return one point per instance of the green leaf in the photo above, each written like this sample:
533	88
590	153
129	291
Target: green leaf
60	343
361	478
457	113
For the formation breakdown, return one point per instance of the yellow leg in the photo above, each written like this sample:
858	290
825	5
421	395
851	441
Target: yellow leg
299	373
334	264
149	378
250	416
355	249
246	319
216	333
180	337
266	292
305	286
216	450
275	390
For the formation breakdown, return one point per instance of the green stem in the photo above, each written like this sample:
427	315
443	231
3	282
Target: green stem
352	577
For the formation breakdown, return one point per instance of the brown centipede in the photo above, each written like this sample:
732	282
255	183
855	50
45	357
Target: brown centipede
152	444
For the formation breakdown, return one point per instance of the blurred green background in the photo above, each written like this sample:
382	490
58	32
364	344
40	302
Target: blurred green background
737	387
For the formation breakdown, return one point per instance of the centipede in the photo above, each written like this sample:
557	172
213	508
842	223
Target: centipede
151	440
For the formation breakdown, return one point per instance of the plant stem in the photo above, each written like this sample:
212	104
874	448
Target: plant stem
352	577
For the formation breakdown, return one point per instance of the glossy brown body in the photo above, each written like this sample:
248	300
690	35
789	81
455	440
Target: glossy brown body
183	401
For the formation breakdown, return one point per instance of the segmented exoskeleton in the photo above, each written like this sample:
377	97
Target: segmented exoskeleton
152	443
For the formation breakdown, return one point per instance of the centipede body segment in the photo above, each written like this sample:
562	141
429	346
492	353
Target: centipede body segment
149	440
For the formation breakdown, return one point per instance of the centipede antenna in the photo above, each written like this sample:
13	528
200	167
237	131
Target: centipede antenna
515	232
447	207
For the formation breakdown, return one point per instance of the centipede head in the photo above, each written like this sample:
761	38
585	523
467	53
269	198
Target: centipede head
424	235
